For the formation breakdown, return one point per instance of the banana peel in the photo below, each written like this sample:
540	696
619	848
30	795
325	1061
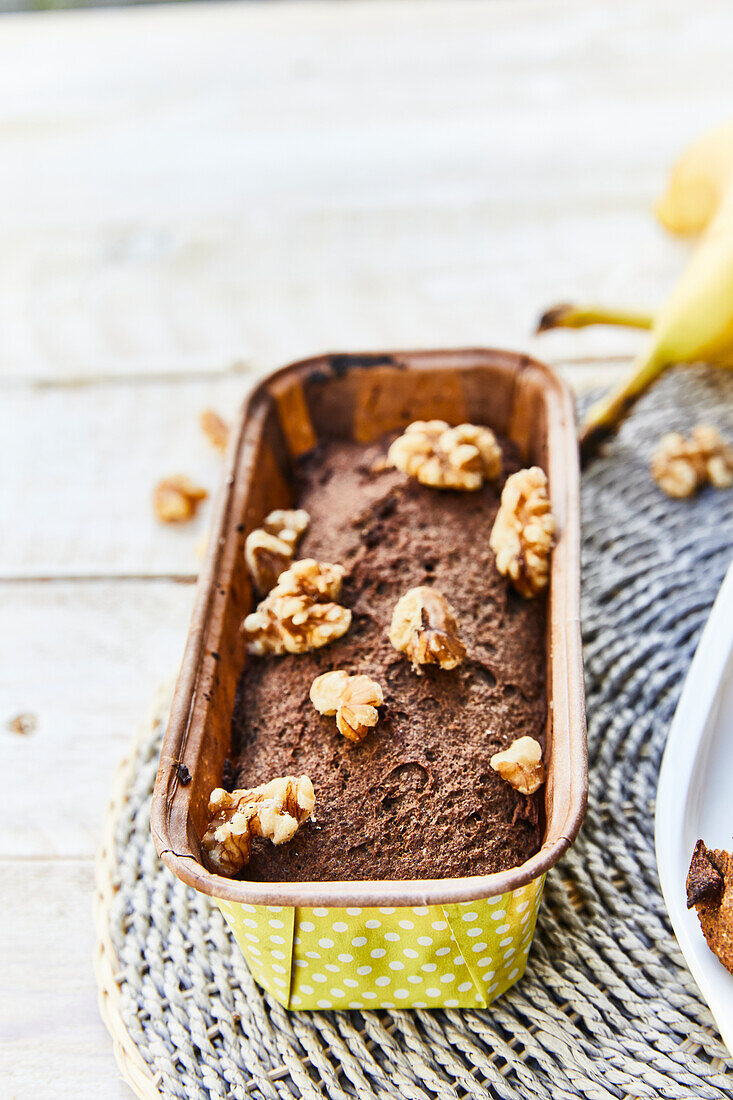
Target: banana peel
696	321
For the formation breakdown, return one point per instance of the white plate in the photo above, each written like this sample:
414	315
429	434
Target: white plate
695	796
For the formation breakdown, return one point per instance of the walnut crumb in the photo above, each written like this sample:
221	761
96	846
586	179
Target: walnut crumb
274	810
523	532
521	765
681	466
444	457
269	550
23	724
215	429
300	613
424	627
353	699
176	499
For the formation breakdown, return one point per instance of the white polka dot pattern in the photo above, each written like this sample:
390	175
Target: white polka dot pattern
460	956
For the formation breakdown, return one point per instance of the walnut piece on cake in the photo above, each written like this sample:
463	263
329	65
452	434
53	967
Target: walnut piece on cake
444	457
521	765
424	626
523	532
710	891
274	810
681	466
176	499
319	579
269	550
300	613
288	524
353	699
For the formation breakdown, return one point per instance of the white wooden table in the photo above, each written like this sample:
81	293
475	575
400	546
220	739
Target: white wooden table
190	195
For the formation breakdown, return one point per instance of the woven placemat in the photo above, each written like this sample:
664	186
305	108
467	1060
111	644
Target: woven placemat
607	1007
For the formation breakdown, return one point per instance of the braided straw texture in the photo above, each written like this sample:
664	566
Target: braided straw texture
607	1007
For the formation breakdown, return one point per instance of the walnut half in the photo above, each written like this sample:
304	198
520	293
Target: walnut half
300	613
523	532
269	550
275	810
353	699
681	466
424	627
521	765
444	457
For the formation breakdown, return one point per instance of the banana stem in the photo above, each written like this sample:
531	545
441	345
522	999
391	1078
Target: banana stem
605	416
571	316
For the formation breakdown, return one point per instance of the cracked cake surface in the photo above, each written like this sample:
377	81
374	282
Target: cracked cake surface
417	797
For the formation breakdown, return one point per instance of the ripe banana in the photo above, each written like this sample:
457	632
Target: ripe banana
696	321
697	183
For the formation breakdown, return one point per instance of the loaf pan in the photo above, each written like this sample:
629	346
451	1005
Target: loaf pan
352	944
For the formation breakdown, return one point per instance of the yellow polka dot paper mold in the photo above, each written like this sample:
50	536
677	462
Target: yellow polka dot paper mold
453	956
458	942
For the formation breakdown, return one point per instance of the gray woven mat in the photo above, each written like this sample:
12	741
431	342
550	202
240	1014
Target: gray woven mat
607	1007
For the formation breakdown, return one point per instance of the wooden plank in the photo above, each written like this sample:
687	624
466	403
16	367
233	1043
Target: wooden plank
234	194
238	290
80	464
52	1040
85	659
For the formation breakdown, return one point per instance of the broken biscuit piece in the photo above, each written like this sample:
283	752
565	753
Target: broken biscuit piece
177	498
710	891
523	532
704	880
269	550
275	811
424	627
521	765
353	699
444	457
300	613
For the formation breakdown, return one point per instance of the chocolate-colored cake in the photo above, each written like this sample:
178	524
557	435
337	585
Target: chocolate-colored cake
417	797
